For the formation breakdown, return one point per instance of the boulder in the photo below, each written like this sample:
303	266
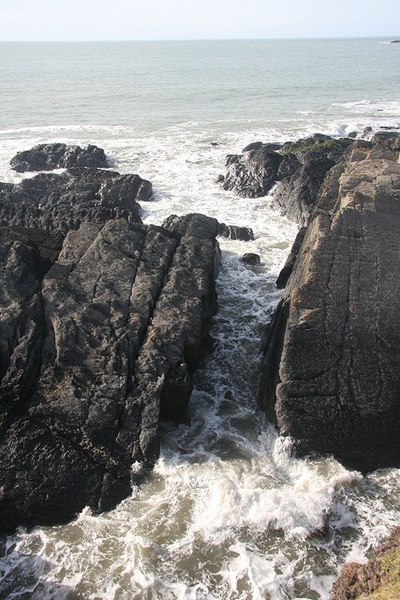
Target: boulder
250	258
244	234
94	348
46	157
331	376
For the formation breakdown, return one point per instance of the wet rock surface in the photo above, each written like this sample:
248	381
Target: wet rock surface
244	234
102	322
331	378
250	258
46	157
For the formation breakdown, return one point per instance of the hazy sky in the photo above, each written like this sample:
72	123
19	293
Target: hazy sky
188	19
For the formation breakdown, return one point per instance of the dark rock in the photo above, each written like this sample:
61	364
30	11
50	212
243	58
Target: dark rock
262	145
352	134
46	157
331	373
367	131
92	350
214	143
251	259
395	42
244	234
302	172
300	167
50	205
253	173
291	259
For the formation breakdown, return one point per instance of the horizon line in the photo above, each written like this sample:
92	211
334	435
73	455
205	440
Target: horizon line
201	39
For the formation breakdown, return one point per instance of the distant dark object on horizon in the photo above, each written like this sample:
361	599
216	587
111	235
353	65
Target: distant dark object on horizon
395	42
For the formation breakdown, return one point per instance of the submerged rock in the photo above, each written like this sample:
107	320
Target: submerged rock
251	259
244	234
331	378
46	157
91	353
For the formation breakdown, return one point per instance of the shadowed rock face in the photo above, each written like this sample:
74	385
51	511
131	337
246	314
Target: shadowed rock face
331	372
299	167
94	344
46	157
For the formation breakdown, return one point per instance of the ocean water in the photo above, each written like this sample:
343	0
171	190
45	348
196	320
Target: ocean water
228	514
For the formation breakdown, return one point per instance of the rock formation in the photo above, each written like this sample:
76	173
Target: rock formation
47	206
46	157
331	375
102	321
234	232
300	167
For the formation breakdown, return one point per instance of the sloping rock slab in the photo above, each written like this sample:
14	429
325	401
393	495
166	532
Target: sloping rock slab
331	372
91	353
46	157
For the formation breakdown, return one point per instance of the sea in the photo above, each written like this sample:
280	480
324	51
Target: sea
228	512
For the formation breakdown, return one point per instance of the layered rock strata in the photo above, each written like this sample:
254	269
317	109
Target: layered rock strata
46	157
331	375
102	321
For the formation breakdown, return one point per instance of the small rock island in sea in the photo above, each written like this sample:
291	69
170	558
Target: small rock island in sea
104	319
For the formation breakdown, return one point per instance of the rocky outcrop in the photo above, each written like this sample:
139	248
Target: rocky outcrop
331	375
378	579
44	208
299	167
302	172
46	157
244	234
253	173
250	258
93	350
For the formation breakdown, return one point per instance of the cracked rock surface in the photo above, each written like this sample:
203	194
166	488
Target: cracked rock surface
102	321
331	375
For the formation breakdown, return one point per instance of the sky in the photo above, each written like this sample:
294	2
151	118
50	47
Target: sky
70	20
